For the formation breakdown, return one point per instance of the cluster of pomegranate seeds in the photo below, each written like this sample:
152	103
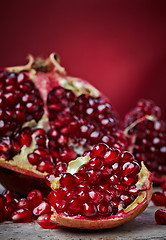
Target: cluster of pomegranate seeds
80	121
147	135
76	123
22	210
20	102
100	186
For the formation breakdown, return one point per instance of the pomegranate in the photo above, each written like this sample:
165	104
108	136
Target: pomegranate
146	133
104	188
47	120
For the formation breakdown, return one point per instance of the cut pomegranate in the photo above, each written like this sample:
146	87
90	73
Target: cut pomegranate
45	221
160	216
50	119
86	197
146	133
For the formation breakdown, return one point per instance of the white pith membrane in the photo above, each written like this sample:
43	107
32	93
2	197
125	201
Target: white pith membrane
144	184
42	81
132	139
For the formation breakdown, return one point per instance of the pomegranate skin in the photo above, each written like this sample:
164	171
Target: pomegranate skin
63	117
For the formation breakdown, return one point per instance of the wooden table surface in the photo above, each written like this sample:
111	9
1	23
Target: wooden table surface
142	227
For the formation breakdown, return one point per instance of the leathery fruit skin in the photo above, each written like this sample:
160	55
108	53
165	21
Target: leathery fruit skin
49	119
85	197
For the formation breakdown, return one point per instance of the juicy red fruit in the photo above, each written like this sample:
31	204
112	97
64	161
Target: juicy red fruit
92	193
146	133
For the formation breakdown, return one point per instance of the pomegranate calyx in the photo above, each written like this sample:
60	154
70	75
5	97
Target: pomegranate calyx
26	67
41	65
48	65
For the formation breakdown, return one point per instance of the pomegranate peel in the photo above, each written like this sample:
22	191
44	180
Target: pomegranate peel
123	215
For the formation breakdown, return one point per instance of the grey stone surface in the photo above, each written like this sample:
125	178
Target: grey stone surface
141	228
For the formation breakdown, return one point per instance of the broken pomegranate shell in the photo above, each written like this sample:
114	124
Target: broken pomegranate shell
48	119
146	133
102	189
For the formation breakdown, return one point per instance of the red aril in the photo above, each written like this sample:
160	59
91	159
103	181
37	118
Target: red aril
41	209
160	216
22	215
45	222
34	198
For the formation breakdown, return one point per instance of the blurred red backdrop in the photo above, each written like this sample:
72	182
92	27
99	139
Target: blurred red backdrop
119	46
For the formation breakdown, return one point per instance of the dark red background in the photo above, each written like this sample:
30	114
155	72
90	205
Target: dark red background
119	46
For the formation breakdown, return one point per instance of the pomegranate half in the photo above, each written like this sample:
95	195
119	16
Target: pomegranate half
48	119
103	189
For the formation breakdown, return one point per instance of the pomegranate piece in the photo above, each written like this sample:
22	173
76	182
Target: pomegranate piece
22	215
45	222
51	118
159	199
146	133
160	216
86	193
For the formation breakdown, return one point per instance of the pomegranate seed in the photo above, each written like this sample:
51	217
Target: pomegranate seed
8	195
41	209
34	198
2	201
104	209
21	216
89	210
95	196
67	180
158	199
55	195
45	221
160	216
8	209
34	158
74	206
60	205
44	166
23	203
